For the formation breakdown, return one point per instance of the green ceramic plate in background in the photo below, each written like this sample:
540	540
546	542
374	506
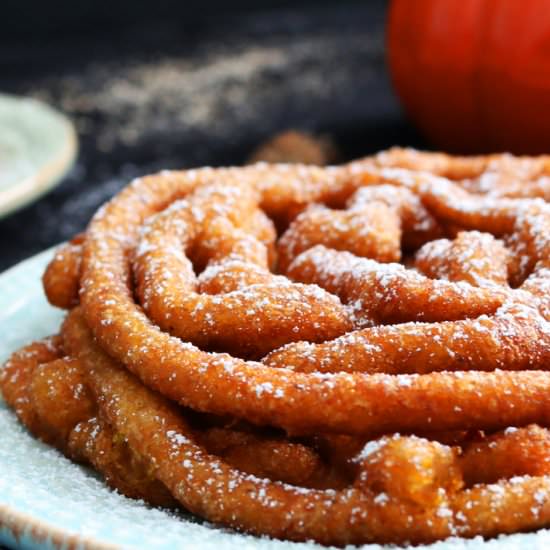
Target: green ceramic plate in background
37	147
48	502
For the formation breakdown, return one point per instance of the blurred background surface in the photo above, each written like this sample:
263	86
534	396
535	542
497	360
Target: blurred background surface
178	84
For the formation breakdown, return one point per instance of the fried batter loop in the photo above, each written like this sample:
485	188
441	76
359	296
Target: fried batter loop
309	386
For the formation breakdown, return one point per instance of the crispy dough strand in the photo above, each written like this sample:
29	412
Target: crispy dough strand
273	401
16	376
514	452
498	175
49	393
269	314
473	257
372	230
389	293
154	429
61	280
225	385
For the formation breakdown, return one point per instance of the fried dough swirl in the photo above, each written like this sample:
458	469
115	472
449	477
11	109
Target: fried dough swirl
244	343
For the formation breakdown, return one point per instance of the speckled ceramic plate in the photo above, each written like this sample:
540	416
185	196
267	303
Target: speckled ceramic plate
48	502
37	146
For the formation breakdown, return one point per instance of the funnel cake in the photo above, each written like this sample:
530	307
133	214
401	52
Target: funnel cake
347	354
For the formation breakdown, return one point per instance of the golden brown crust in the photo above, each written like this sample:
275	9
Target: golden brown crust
514	452
421	500
177	288
50	394
106	302
61	280
474	257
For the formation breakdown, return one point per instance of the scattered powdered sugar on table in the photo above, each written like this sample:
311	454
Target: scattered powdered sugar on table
218	88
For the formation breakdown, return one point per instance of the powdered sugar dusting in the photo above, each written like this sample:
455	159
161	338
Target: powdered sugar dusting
384	375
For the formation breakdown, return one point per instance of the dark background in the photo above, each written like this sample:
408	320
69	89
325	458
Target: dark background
179	84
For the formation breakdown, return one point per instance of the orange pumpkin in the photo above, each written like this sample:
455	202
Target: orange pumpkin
474	75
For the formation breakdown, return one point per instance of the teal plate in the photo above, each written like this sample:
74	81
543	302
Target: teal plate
48	502
37	147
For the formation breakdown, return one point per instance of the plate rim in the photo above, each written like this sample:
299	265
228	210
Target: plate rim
20	524
47	176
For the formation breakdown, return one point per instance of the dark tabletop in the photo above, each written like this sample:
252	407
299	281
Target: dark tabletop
190	91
